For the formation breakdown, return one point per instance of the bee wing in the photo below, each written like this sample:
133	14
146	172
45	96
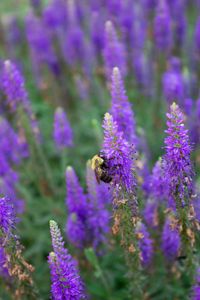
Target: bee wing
97	176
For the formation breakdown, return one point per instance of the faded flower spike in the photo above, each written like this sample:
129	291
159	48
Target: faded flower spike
119	154
121	108
65	278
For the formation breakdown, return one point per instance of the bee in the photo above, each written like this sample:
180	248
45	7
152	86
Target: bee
100	166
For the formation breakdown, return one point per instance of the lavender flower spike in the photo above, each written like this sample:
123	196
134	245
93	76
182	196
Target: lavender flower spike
114	52
65	278
119	154
121	108
178	167
62	130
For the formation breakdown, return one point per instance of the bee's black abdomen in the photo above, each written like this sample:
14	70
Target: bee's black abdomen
105	177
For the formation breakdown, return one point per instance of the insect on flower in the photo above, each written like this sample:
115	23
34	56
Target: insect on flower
101	169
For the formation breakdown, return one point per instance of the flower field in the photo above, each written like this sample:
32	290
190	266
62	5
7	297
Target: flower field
100	149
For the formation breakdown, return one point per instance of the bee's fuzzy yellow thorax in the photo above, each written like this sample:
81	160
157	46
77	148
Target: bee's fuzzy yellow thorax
96	161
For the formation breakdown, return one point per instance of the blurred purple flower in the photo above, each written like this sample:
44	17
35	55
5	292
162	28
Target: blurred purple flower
158	182
145	245
163	27
188	106
97	34
179	21
13	85
121	108
99	216
55	14
173	83
11	140
170	240
77	207
88	216
40	43
35	3
150	213
3	264
113	52
63	136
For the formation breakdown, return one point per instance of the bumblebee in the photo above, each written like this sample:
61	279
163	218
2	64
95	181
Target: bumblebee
100	166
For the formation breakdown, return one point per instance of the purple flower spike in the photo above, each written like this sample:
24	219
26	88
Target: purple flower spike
145	245
170	240
180	21
121	108
65	278
119	154
62	130
14	86
150	213
178	168
162	27
99	216
7	218
3	264
77	206
40	43
114	52
158	182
